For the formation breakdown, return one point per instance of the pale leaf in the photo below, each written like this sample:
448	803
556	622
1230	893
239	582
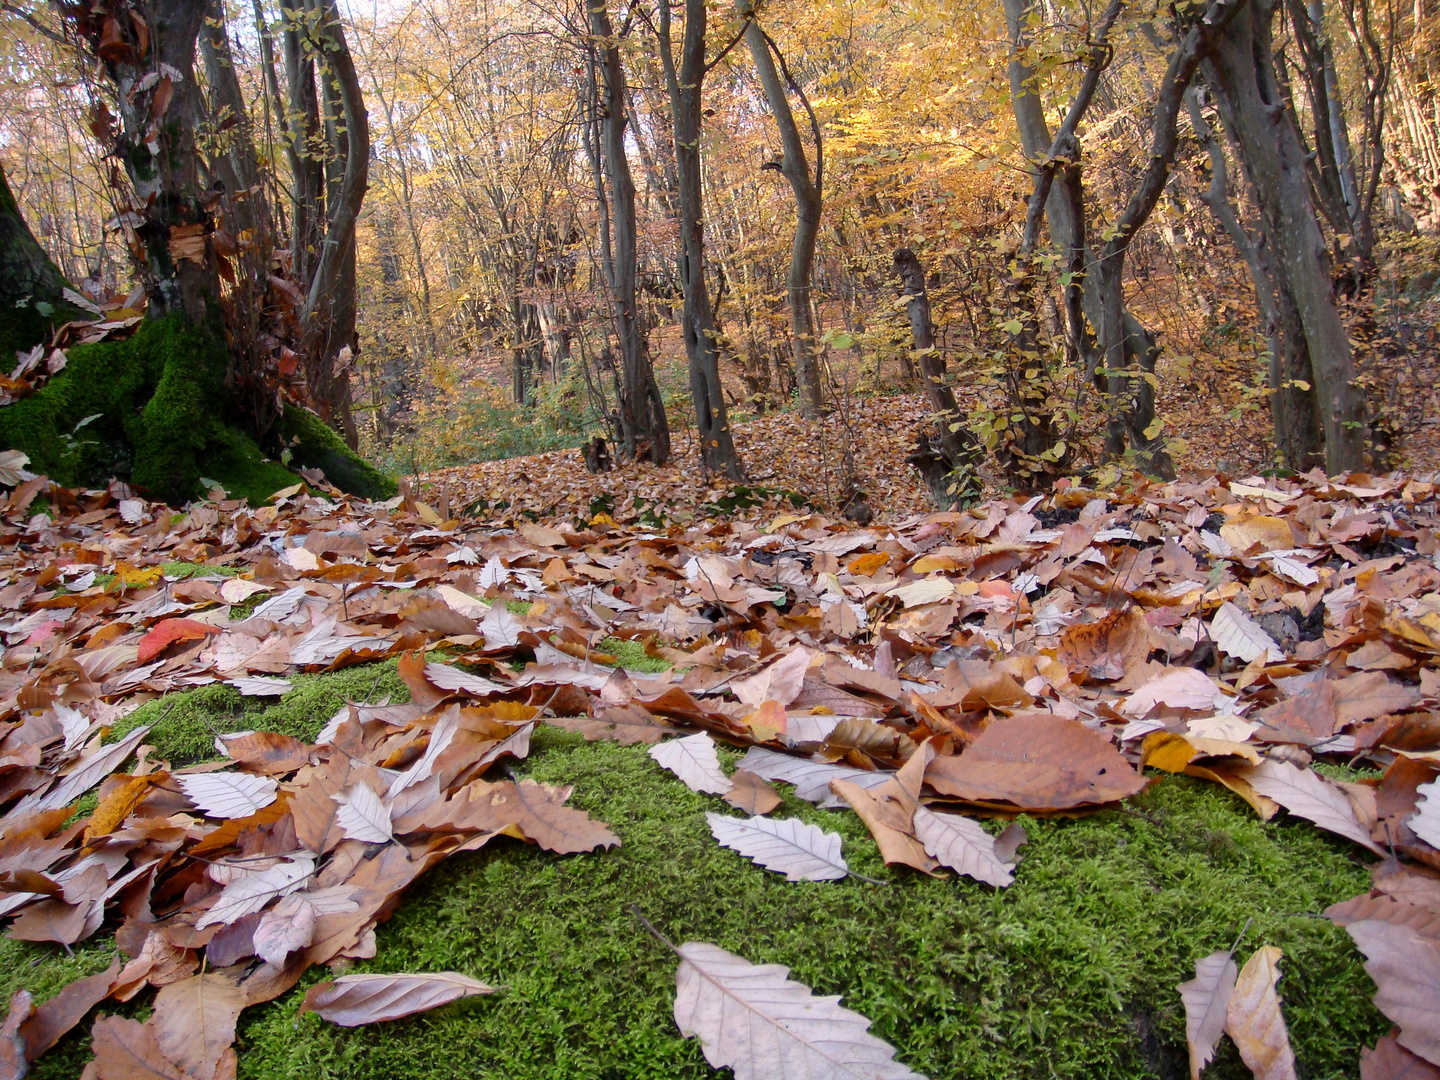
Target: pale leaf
1406	970
424	765
362	816
787	846
693	760
780	682
963	846
288	926
1254	1021
1206	998
811	778
353	1000
1309	795
754	1020
1237	634
228	795
1425	822
251	892
261	686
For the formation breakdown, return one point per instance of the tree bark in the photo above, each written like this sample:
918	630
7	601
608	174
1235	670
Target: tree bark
1241	73
808	189
642	411
717	446
1294	413
31	297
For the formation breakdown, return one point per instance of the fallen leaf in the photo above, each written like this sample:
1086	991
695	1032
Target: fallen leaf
1388	1060
787	846
128	1050
1406	971
353	1000
171	632
1309	795
750	794
194	1022
694	760
754	1020
228	795
1106	649
963	846
1237	634
1254	1021
1207	1000
362	816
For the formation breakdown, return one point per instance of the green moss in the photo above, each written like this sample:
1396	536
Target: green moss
187	570
242	469
1070	972
632	655
315	445
518	607
152	397
186	723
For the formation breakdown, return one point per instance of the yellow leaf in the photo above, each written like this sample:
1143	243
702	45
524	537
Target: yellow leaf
1167	750
867	564
929	563
116	806
767	722
1254	1021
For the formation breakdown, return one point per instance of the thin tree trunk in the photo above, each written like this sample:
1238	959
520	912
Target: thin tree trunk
717	447
808	194
642	411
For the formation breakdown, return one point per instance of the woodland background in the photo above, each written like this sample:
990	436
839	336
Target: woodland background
483	321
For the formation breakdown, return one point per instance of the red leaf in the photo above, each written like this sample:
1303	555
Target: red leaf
164	634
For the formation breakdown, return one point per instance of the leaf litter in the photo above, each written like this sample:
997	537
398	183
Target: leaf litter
1024	656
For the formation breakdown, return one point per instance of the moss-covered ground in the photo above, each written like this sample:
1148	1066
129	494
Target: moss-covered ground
1071	972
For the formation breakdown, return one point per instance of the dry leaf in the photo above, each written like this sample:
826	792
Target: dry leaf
228	795
693	760
754	1020
353	1000
1254	1021
750	794
1391	1061
362	816
1237	634
1406	970
1309	795
1207	1000
787	846
962	845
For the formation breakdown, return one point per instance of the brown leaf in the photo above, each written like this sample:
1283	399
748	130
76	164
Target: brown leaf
1037	761
1306	719
751	794
1391	1061
1309	795
1253	1019
626	724
194	1022
267	752
14	1056
128	1050
889	823
62	1012
1406	970
353	1000
1108	648
1385	908
1370	694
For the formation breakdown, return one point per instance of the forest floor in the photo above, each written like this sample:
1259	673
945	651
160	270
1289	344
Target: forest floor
1209	705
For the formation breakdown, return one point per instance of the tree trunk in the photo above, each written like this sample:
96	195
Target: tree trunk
1294	414
642	411
795	168
717	447
31	300
1241	74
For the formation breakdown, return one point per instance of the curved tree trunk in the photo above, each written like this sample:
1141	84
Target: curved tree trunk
1241	74
31	297
717	447
796	169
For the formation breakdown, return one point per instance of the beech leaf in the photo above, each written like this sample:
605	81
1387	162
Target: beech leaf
1254	1021
362	816
693	760
1309	795
354	1000
1237	634
963	846
228	795
1207	999
755	1020
1406	970
787	846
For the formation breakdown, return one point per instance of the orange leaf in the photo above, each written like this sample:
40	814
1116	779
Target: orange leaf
169	632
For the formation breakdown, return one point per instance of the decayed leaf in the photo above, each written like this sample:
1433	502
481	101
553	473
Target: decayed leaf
1309	795
228	795
1179	688
788	846
288	926
1254	1021
754	1020
1391	1061
252	890
1207	999
1037	761
751	794
194	1022
1106	649
693	760
811	778
353	1000
1406	970
962	845
1237	634
362	816
627	725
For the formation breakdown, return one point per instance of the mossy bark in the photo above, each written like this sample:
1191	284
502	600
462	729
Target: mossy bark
153	410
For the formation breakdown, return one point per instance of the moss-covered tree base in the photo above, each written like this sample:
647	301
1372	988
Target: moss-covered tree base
1070	972
151	410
